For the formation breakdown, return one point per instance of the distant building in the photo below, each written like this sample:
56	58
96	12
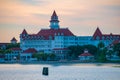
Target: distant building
56	39
107	39
27	54
13	55
61	53
86	56
3	45
2	57
48	40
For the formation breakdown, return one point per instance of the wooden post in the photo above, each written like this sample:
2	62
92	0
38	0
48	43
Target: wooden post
45	71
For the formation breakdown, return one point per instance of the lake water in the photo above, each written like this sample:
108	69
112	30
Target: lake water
63	72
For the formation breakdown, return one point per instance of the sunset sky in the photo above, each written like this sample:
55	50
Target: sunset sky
81	16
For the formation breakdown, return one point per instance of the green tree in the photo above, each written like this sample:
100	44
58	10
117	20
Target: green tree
102	57
74	52
40	56
37	55
44	56
2	51
5	51
116	49
12	45
91	48
101	52
109	53
52	56
101	45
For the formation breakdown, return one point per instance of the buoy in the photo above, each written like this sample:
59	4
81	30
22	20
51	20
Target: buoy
45	71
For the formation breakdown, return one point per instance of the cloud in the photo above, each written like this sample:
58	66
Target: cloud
34	2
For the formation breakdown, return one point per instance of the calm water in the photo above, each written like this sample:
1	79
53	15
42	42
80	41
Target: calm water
34	72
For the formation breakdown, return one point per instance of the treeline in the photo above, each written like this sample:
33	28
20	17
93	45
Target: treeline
8	47
44	56
99	51
75	51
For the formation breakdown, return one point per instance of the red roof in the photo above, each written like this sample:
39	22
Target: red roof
116	42
52	32
13	39
24	32
105	36
85	54
30	50
47	34
15	49
97	33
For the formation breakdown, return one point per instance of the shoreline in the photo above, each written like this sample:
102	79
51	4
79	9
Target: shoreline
66	63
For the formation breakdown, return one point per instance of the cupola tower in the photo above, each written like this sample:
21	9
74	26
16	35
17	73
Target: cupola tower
54	22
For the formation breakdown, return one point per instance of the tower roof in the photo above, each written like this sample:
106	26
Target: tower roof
54	13
54	17
13	39
54	22
24	32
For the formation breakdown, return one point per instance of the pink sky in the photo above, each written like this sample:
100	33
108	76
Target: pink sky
80	16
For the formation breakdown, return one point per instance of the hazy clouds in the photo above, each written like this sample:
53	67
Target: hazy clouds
80	16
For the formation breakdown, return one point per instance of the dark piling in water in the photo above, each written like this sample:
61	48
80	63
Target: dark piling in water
45	71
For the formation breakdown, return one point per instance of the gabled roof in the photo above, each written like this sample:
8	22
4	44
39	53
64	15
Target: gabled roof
97	33
30	50
113	43
52	32
47	34
85	54
13	39
101	36
24	32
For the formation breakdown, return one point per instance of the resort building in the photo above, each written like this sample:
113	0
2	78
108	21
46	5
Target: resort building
27	54
14	54
53	39
107	39
57	40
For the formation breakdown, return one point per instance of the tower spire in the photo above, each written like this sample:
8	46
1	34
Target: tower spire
54	22
54	13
